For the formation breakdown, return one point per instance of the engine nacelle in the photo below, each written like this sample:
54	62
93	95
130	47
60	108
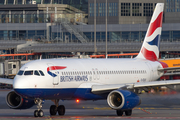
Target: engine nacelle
15	101
123	99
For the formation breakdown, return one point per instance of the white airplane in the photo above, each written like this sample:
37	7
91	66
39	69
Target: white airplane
117	80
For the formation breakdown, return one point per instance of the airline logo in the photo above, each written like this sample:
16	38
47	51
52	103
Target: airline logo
49	69
150	49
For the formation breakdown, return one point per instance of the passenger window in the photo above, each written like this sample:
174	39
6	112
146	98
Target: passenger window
28	72
20	72
36	73
42	74
14	66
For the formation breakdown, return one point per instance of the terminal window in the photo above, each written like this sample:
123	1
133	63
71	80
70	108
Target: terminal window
102	9
38	1
47	1
1	2
57	2
136	9
19	1
178	5
148	9
125	9
112	9
91	9
96	9
10	2
171	5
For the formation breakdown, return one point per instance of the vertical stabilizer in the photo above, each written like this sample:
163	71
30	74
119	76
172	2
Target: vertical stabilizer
150	46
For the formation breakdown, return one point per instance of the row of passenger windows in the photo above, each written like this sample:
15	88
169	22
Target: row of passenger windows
31	72
105	72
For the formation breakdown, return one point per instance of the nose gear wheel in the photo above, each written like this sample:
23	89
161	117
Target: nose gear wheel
39	112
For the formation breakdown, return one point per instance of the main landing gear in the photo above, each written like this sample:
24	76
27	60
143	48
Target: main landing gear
57	108
38	112
127	112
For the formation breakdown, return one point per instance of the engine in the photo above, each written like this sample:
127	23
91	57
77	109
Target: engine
15	101
123	99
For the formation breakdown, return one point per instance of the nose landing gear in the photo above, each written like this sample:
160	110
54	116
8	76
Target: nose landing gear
39	112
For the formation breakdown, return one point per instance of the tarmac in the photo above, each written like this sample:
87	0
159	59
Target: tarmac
153	106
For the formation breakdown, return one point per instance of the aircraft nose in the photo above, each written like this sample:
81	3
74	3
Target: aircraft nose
20	83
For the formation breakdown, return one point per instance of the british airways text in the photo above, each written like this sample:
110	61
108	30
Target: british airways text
73	78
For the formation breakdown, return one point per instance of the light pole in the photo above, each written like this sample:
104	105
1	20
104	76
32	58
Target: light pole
106	29
95	49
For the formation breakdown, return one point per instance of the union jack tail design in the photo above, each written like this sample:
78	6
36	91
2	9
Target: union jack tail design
150	47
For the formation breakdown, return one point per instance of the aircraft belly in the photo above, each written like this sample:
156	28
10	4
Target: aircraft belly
45	93
65	93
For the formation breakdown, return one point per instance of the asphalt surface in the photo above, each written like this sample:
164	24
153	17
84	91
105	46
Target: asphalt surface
153	106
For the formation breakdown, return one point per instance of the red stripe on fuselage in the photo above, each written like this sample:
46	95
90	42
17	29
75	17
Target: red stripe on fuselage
55	68
149	55
157	23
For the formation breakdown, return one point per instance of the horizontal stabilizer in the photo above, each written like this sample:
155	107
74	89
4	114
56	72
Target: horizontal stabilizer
169	68
156	83
175	73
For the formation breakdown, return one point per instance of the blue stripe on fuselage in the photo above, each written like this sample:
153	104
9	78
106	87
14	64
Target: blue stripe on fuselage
65	93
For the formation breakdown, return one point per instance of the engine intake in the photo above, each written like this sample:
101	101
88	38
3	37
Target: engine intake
15	101
123	99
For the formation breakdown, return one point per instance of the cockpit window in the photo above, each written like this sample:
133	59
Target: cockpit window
42	74
20	72
28	72
36	73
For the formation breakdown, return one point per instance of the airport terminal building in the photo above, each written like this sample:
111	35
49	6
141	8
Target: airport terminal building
72	22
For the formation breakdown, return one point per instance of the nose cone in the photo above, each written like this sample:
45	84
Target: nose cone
20	82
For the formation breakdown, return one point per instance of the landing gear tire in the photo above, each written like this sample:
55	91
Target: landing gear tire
119	112
40	113
53	110
36	113
61	110
128	112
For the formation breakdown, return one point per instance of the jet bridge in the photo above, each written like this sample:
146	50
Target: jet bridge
9	68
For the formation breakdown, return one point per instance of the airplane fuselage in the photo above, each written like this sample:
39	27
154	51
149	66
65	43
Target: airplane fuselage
73	78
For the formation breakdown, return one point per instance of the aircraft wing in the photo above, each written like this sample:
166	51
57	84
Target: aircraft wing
99	89
6	81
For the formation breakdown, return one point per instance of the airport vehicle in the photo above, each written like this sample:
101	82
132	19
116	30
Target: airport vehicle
117	80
